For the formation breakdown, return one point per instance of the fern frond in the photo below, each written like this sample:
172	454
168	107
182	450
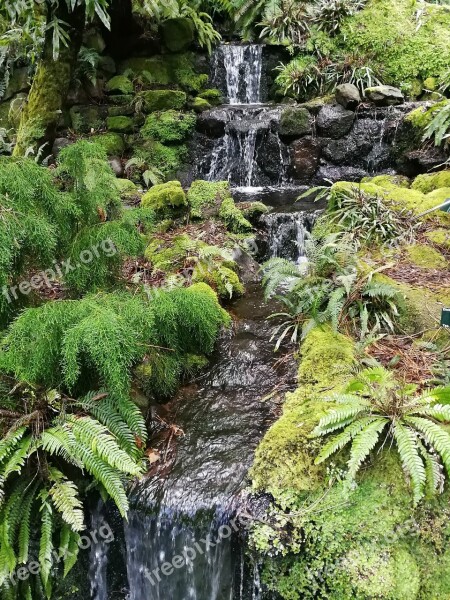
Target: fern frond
64	495
338	418
407	446
435	436
342	439
46	544
363	444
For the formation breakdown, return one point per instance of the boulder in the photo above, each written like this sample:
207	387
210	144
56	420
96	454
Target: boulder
165	197
112	143
348	96
120	124
212	123
86	118
305	157
334	121
119	84
156	100
295	122
177	34
199	105
384	95
327	173
107	64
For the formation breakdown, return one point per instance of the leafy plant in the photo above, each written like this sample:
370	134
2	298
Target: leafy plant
439	127
87	64
328	288
301	76
376	410
368	219
285	22
328	15
150	175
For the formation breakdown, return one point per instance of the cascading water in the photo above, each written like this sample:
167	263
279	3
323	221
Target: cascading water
98	556
250	152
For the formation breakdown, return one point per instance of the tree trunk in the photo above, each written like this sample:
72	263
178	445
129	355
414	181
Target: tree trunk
51	83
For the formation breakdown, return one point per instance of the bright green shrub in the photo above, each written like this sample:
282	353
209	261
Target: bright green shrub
98	252
169	126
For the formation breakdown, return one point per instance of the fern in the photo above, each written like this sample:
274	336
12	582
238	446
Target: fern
376	407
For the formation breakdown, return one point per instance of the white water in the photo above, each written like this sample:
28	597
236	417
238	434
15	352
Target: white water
243	68
98	557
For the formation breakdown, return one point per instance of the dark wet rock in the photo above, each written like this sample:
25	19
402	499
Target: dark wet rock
116	166
212	123
366	133
249	269
334	121
348	96
295	122
333	173
384	95
421	161
59	144
305	157
269	156
18	82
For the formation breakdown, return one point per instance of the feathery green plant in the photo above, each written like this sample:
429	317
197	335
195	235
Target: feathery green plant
375	411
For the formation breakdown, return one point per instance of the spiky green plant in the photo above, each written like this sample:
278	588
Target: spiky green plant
377	411
439	127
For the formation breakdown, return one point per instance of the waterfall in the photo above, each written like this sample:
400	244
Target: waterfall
243	68
286	234
250	152
98	556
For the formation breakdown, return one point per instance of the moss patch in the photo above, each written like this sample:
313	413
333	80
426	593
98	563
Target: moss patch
119	85
426	257
430	182
169	126
295	122
120	124
205	197
112	143
156	100
233	217
164	198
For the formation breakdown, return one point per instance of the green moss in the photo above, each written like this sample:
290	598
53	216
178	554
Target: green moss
85	119
169	126
178	34
200	104
168	159
284	459
426	257
119	85
120	124
112	143
388	181
121	99
421	117
126	187
205	197
164	198
212	95
157	69
253	210
225	281
295	122
233	217
430	84
156	100
440	237
387	37
45	102
432	181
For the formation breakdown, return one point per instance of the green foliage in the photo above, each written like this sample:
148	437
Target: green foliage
328	288
112	143
300	77
233	217
165	159
329	16
376	406
169	126
119	84
165	198
205	195
150	175
158	100
439	127
367	218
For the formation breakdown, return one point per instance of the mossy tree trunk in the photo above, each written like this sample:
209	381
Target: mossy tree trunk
51	83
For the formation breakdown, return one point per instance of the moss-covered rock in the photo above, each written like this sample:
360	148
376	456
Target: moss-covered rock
233	217
177	34
126	187
164	198
422	116
169	126
440	237
112	143
119	85
253	210
120	124
223	280
16	108
432	181
157	100
85	119
388	181
167	159
295	122
206	197
199	104
426	257
213	96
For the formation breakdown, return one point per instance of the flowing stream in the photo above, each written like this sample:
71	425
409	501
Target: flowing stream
187	504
